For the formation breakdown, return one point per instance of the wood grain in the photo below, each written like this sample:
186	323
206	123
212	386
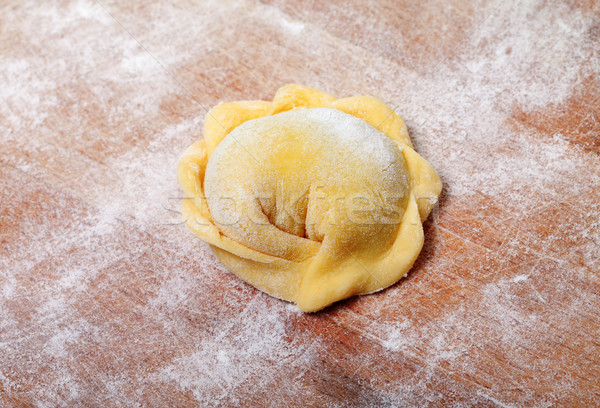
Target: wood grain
107	300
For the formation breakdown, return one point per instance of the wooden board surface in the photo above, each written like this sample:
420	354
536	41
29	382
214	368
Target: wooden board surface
107	300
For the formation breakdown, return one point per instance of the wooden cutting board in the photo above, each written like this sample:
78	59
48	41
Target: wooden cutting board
107	300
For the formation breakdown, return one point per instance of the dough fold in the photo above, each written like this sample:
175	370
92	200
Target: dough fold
309	198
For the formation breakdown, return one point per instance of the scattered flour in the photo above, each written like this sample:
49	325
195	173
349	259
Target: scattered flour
520	278
76	62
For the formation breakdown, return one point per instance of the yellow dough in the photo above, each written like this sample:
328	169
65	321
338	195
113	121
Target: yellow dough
309	198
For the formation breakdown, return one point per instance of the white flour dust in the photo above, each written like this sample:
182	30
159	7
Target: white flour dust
106	297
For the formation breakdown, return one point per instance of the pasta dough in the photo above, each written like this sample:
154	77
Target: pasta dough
309	198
